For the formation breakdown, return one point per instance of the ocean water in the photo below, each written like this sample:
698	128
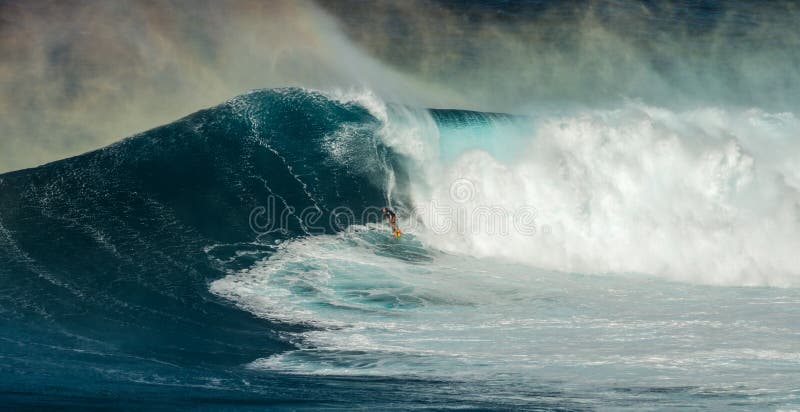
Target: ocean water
234	259
625	256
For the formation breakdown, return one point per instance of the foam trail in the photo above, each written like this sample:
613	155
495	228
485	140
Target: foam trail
386	308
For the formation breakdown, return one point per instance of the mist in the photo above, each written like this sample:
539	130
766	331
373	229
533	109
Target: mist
678	54
77	75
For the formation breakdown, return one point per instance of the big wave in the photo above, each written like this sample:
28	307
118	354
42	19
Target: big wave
115	248
137	229
217	241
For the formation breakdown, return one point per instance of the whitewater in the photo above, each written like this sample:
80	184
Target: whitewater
630	257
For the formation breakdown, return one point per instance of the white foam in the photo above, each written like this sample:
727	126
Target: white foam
706	196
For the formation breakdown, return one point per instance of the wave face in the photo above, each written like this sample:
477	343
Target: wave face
230	257
105	258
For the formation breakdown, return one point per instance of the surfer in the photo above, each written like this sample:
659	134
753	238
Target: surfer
389	214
